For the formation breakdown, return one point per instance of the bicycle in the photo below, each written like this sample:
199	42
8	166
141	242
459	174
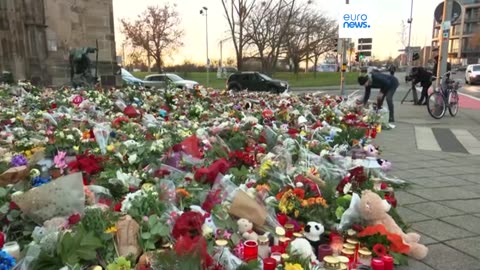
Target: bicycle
443	98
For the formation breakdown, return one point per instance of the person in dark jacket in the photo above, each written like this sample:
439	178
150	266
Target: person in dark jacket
424	77
392	69
435	66
386	83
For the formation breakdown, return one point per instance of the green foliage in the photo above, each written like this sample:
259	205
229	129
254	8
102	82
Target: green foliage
146	205
240	175
252	265
169	260
120	263
96	220
399	259
152	231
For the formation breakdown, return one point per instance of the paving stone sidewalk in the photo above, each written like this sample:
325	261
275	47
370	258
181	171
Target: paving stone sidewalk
443	202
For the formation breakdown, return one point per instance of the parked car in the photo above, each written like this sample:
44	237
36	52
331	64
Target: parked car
129	79
255	81
472	74
162	80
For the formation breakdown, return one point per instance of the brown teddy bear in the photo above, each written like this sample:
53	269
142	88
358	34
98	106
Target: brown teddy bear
374	210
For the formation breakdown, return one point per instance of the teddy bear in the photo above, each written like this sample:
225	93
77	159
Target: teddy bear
374	210
313	231
245	229
302	247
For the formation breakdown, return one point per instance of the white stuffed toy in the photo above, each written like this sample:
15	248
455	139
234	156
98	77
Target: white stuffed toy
245	229
208	226
313	231
302	247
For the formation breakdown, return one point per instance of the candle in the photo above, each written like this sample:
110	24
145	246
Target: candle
269	264
289	229
365	257
250	250
323	251
331	263
283	243
277	256
337	244
279	232
387	262
13	249
263	247
377	264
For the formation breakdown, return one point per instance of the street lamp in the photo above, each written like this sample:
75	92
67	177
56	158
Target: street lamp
204	11
409	51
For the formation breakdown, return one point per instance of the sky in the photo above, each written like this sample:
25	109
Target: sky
388	16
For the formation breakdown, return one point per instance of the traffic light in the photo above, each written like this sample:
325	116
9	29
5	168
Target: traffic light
335	43
357	57
416	56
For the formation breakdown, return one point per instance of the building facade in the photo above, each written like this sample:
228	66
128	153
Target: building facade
464	47
36	37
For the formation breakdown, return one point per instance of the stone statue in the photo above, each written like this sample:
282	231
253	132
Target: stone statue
80	66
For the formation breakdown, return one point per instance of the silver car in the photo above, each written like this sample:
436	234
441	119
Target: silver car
168	79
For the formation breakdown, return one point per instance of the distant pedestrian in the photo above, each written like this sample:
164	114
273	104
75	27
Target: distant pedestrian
392	69
386	83
422	76
435	66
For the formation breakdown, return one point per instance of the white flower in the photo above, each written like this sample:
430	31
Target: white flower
70	137
299	184
132	158
206	230
61	134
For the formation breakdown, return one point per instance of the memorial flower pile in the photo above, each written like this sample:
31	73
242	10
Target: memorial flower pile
202	179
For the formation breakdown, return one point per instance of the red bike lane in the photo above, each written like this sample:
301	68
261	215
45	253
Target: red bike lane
469	102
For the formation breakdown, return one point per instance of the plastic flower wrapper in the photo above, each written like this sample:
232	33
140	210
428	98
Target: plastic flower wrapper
224	257
168	193
101	194
351	215
39	204
102	133
29	260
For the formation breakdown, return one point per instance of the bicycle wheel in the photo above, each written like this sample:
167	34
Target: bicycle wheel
453	103
436	105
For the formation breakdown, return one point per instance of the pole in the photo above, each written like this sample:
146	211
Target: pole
208	59
123	55
221	53
148	51
344	63
444	36
409	50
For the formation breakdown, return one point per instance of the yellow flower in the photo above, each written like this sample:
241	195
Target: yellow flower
148	187
76	148
110	148
264	168
28	154
112	229
291	266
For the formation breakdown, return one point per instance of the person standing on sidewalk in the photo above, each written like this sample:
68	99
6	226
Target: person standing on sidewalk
387	84
422	76
392	69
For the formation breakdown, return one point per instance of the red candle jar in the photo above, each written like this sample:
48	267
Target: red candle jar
377	264
250	250
283	243
387	262
323	251
269	264
276	248
289	230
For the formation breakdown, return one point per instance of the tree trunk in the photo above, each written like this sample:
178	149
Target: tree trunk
315	66
240	61
296	65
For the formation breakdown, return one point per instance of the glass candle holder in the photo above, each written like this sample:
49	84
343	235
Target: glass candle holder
269	264
283	243
289	230
387	262
263	247
365	257
12	248
279	232
277	256
323	251
377	264
250	250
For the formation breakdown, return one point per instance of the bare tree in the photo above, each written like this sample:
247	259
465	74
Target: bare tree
237	12
403	34
156	31
267	29
324	34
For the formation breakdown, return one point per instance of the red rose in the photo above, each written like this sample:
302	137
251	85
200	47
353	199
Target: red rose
13	206
74	219
2	239
391	200
118	206
208	175
189	224
197	246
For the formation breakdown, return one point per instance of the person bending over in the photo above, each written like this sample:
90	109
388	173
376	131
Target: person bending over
387	84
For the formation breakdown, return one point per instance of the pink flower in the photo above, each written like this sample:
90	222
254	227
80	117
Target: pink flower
59	160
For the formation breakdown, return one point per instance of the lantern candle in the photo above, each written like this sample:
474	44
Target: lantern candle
289	230
250	250
323	251
365	256
283	242
387	262
279	232
337	244
277	256
13	249
377	264
263	247
269	264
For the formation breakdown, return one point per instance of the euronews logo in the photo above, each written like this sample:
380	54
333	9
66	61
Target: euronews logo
355	21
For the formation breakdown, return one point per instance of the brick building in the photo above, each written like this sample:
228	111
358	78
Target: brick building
37	35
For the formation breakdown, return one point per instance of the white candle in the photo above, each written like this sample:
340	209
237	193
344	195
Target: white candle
13	249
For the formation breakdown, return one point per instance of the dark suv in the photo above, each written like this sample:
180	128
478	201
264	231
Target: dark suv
255	81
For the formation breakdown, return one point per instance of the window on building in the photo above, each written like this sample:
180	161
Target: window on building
52	41
454	46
